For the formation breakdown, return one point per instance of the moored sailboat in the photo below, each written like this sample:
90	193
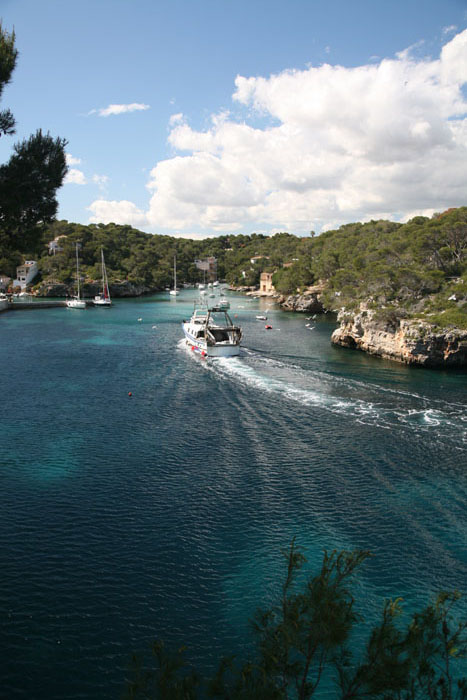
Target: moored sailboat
174	291
103	299
76	302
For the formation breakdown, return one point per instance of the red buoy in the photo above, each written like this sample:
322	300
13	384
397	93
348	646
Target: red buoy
130	394
268	327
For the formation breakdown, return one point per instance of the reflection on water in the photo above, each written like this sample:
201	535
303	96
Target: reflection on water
147	493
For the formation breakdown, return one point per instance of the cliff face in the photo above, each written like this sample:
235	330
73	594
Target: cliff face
410	341
309	301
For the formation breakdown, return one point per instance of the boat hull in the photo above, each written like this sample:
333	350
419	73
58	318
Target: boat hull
219	350
76	304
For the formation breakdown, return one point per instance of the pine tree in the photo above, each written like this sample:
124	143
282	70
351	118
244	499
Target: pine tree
30	179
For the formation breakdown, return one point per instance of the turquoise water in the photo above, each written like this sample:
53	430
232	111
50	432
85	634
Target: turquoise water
162	515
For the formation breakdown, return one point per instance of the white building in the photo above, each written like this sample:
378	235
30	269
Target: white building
54	246
255	258
25	273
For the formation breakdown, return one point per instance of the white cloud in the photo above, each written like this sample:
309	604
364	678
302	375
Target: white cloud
122	212
176	119
75	177
71	160
100	180
342	144
119	109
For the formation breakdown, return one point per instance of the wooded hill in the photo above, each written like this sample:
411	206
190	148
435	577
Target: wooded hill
413	269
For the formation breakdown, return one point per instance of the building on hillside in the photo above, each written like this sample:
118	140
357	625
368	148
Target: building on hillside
54	246
255	258
209	266
4	282
265	283
25	273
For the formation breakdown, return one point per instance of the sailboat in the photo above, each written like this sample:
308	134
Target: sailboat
174	291
103	299
76	302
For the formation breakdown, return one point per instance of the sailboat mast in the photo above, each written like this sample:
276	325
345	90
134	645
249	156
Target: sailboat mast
175	273
77	268
103	271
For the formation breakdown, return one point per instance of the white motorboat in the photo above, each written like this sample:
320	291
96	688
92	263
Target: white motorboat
210	330
174	291
76	302
103	299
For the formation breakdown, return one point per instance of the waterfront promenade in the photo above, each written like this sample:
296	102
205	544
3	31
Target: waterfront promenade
6	305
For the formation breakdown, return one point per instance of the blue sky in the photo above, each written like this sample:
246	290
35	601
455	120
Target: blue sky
201	117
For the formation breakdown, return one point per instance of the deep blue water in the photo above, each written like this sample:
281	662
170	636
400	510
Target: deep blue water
162	515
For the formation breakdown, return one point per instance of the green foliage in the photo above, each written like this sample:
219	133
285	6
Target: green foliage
28	183
452	318
8	56
412	269
309	633
29	180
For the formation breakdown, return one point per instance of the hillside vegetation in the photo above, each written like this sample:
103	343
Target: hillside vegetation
413	269
416	269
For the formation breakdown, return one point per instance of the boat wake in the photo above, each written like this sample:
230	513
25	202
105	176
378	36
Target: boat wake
367	403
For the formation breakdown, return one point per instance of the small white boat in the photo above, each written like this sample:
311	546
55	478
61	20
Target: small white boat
103	299
210	330
174	291
76	302
262	318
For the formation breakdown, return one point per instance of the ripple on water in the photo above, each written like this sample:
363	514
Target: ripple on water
164	514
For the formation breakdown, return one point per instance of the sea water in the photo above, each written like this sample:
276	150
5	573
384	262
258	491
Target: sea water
146	493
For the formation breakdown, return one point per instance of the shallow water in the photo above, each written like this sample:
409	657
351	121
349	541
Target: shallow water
125	519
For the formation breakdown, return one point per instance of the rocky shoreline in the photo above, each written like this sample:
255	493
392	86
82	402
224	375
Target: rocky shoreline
410	341
308	301
118	289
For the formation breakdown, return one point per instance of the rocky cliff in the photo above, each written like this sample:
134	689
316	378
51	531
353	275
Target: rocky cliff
411	341
308	301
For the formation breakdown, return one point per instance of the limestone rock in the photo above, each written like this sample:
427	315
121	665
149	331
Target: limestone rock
411	341
309	301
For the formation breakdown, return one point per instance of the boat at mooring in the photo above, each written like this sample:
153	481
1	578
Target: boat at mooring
76	302
174	292
103	299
